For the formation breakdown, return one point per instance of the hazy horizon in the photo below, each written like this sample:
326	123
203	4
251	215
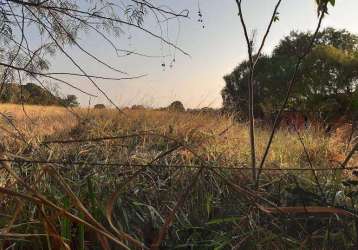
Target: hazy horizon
215	50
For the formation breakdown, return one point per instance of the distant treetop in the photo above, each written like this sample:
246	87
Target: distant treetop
100	106
35	95
176	106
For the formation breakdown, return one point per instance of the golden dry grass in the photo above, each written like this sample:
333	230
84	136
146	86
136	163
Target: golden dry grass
37	120
99	171
216	138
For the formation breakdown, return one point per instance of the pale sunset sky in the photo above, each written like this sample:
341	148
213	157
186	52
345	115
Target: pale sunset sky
214	50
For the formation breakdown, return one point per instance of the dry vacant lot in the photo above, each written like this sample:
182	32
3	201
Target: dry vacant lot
94	179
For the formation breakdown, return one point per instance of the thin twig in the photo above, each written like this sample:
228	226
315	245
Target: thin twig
288	94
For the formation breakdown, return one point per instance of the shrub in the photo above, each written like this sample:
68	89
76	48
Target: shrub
99	106
138	107
176	106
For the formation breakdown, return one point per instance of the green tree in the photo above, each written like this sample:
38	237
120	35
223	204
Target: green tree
71	101
176	106
32	93
326	83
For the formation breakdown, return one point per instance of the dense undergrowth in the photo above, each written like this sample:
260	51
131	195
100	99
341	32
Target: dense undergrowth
117	181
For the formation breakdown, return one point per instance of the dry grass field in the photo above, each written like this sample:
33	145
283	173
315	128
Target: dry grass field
100	179
35	121
215	137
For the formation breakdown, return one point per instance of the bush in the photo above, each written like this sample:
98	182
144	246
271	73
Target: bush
176	106
71	101
138	107
100	106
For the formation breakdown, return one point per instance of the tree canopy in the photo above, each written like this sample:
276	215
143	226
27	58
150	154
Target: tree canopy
176	106
327	81
36	95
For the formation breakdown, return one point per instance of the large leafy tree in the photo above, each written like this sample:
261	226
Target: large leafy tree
327	82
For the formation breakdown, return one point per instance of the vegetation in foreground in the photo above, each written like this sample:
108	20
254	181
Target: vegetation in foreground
111	180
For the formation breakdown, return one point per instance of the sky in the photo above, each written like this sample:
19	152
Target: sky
214	50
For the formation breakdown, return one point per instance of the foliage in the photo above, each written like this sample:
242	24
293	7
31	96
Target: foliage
328	74
36	95
138	107
322	5
70	101
176	106
114	181
215	214
99	106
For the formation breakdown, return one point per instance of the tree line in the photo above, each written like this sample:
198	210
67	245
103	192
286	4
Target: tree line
327	80
35	95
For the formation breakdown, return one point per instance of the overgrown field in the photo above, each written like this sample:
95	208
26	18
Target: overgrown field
101	179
